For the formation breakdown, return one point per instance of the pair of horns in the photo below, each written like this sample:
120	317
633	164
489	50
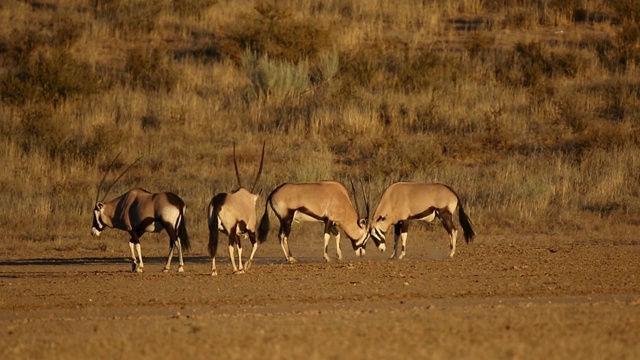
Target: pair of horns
365	197
115	181
235	164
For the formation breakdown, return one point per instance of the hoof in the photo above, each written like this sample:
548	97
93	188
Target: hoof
292	260
214	273
165	270
238	272
181	269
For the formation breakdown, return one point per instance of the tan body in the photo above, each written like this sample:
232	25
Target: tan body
138	211
405	201
233	214
325	201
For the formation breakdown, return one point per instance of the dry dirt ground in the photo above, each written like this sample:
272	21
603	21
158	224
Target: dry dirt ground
524	297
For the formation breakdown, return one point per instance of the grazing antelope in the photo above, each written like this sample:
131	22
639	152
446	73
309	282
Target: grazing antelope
138	211
325	201
234	214
405	201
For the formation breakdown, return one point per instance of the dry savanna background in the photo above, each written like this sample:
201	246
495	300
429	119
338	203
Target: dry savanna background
528	108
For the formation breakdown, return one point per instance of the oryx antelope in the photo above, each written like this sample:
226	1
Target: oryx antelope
138	211
234	214
405	201
325	201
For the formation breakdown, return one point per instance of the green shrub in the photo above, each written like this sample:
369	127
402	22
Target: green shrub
277	78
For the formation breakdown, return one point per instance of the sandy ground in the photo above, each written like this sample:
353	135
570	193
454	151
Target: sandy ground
499	299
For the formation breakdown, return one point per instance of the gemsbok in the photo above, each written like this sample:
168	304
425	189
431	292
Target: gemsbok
405	201
234	214
325	201
138	211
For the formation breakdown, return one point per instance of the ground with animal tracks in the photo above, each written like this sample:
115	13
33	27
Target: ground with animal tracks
524	297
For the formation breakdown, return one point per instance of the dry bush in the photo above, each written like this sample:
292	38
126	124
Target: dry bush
192	7
129	17
150	69
276	34
528	64
50	77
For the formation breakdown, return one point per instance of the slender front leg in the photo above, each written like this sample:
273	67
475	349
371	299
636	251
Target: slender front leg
140	263
402	228
338	251
134	244
396	241
134	265
254	247
403	237
327	236
239	246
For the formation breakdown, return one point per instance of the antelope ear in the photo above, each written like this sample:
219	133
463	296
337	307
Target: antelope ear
362	222
99	206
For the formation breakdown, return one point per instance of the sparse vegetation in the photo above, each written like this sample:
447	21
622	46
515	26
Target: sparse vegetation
529	111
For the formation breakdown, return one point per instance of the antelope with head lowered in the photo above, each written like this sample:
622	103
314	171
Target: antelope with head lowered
234	214
325	201
405	201
138	211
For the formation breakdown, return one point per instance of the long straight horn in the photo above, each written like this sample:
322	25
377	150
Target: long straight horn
255	182
105	176
235	165
355	197
118	178
366	201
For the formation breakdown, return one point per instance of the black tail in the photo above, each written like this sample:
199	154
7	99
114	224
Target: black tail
469	234
213	232
182	234
263	229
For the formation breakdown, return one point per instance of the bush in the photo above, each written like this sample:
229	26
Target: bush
50	78
150	70
275	35
274	77
528	64
129	17
192	7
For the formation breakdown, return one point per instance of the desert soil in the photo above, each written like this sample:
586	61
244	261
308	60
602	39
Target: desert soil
523	298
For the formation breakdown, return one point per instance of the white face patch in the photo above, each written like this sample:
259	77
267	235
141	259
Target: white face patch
97	224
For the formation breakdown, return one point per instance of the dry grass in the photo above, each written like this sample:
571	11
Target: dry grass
529	112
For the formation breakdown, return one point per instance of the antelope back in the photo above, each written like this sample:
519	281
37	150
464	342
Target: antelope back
238	206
